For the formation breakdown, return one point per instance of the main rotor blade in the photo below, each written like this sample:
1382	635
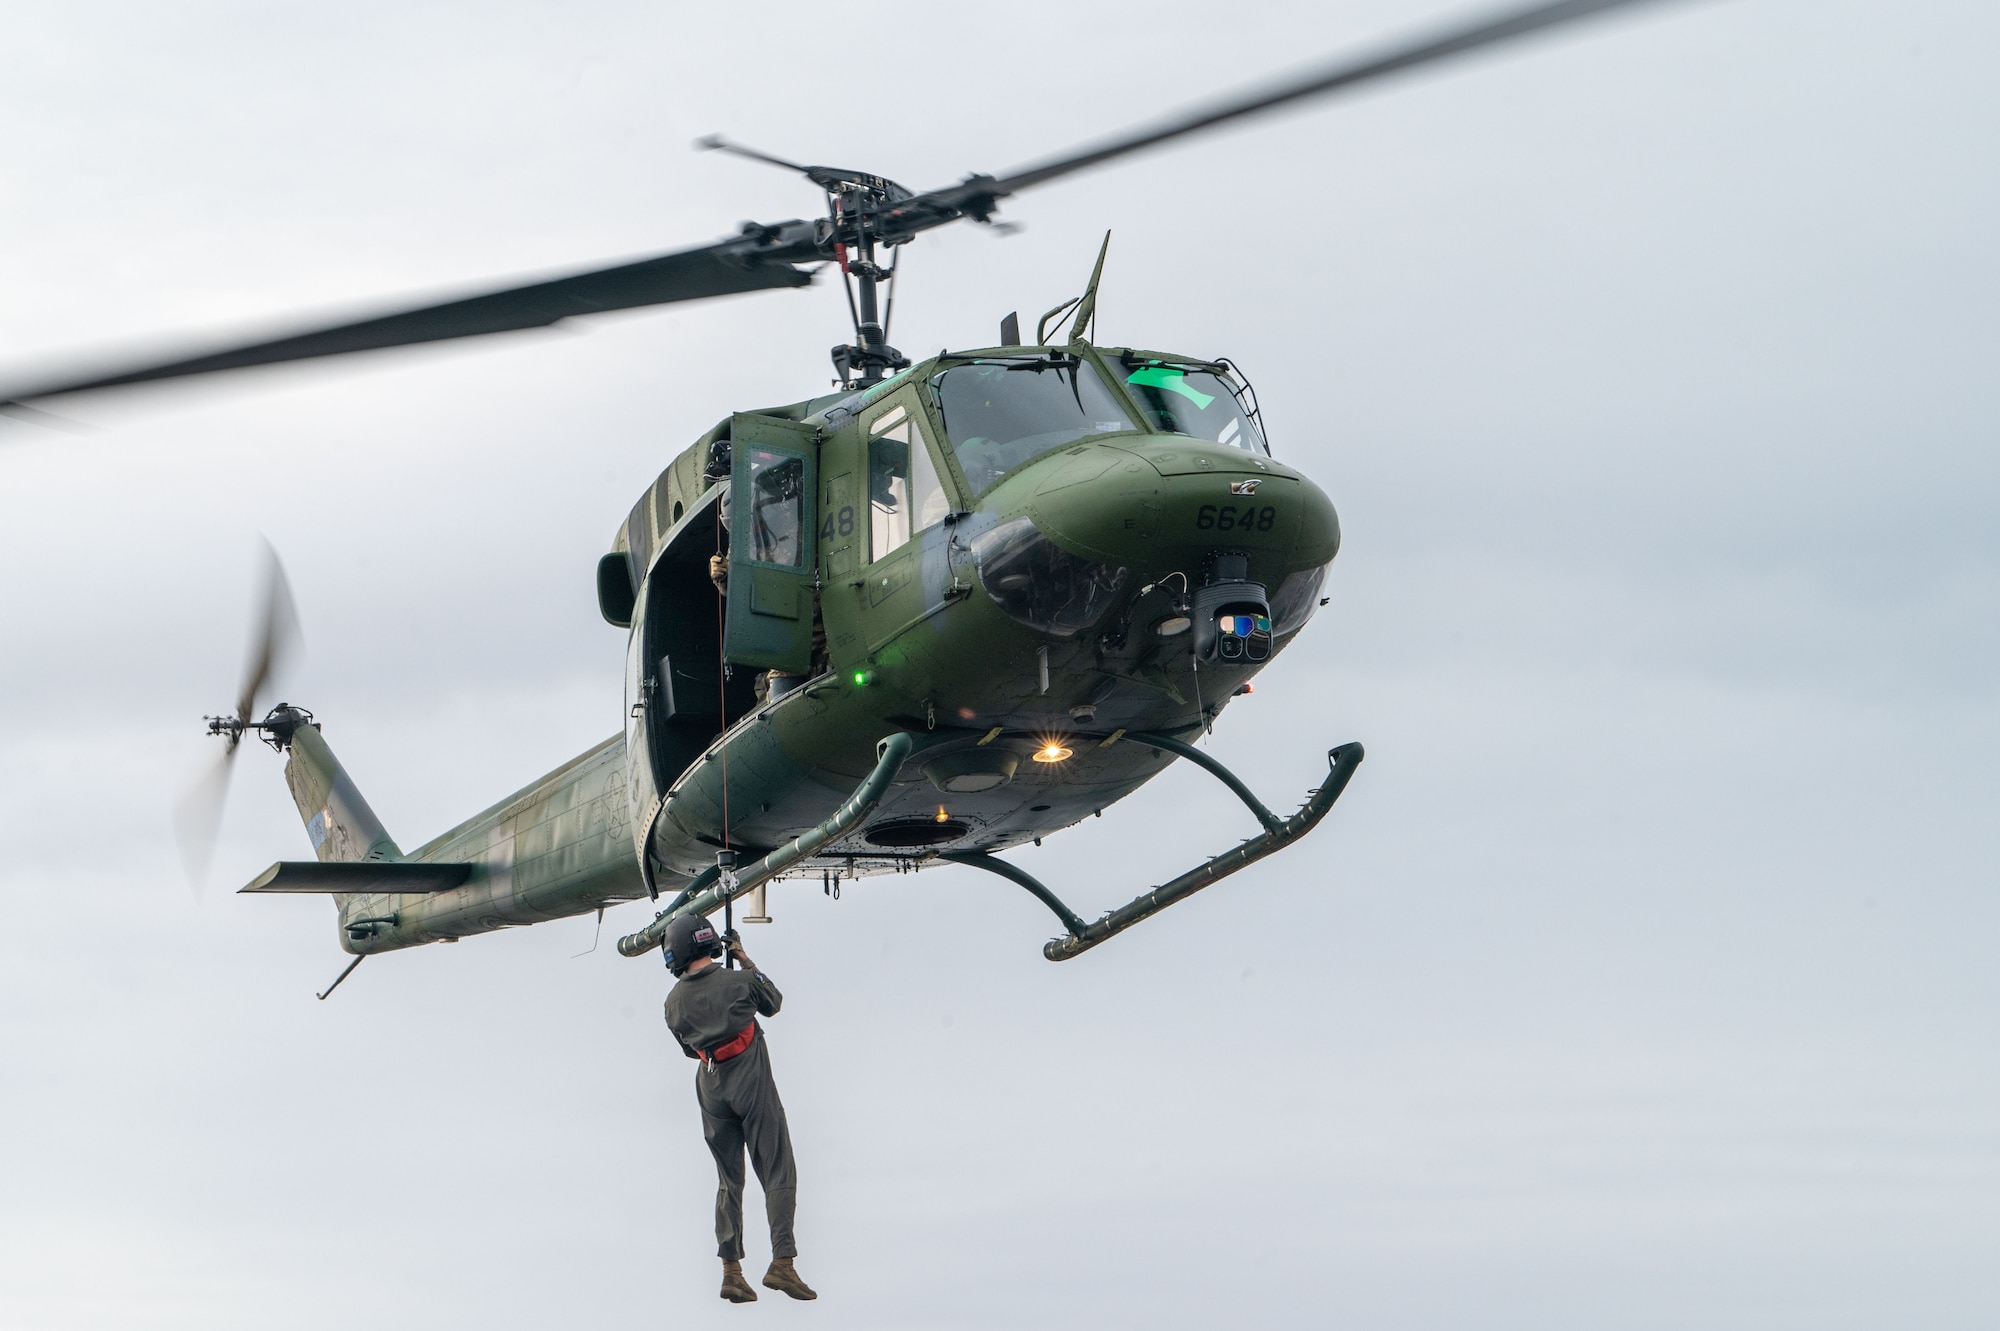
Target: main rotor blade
1346	72
714	270
765	257
276	638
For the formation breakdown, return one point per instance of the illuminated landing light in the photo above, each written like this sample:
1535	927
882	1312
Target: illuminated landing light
942	816
1051	752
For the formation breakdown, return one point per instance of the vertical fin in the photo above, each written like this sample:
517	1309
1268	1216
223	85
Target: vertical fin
337	818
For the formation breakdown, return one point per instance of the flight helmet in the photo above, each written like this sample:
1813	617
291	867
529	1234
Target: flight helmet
688	937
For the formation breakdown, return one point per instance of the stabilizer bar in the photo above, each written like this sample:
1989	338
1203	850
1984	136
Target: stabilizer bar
1277	834
889	757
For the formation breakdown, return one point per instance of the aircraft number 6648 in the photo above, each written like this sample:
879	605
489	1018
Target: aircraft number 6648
1228	517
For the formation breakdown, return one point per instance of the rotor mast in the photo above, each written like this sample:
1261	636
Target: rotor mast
863	210
854	203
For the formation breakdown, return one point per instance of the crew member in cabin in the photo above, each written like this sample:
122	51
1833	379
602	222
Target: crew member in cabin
712	1011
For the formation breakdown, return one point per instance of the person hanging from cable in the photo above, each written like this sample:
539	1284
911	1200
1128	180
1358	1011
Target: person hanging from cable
712	1012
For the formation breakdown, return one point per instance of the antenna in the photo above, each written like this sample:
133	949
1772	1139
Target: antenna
1086	305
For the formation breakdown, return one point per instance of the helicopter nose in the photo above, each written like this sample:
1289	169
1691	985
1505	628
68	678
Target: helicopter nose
1161	503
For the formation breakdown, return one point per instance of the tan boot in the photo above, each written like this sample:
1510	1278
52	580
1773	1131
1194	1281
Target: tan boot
784	1276
734	1287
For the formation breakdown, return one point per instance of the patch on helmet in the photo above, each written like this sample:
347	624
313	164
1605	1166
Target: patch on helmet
705	934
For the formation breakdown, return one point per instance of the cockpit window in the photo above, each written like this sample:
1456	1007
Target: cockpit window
1201	403
1002	414
904	496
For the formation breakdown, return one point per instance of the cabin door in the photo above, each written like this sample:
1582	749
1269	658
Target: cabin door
771	544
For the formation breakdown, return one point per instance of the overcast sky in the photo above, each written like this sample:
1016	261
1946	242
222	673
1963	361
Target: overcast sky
1643	978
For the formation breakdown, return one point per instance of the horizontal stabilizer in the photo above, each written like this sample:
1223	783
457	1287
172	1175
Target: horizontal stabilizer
358	876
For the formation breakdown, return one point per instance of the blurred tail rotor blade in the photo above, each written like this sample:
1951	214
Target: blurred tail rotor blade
198	818
198	812
277	637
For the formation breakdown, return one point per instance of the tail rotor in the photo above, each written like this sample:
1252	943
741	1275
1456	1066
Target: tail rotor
198	813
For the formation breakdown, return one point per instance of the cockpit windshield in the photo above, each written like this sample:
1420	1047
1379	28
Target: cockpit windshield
1181	399
1002	414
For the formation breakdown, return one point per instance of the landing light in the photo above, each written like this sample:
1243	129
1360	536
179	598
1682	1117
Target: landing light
1051	752
942	816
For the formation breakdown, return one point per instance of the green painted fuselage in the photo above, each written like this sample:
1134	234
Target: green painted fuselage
925	635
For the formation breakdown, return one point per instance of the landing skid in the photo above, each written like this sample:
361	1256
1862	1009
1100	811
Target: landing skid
711	891
1278	833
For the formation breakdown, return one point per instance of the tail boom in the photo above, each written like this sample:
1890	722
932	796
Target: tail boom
561	846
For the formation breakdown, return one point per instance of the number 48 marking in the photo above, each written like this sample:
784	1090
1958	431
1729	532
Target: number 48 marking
844	524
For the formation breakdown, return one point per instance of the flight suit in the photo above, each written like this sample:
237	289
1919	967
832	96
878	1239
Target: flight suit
739	1099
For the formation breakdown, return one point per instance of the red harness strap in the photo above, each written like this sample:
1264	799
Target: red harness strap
731	1047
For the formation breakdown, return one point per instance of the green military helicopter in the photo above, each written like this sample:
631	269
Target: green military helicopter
949	608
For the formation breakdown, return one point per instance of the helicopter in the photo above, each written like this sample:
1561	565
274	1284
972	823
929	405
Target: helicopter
950	608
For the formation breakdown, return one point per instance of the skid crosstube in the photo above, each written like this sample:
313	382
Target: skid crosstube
1278	833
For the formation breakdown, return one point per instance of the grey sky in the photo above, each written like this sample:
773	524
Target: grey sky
1642	979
